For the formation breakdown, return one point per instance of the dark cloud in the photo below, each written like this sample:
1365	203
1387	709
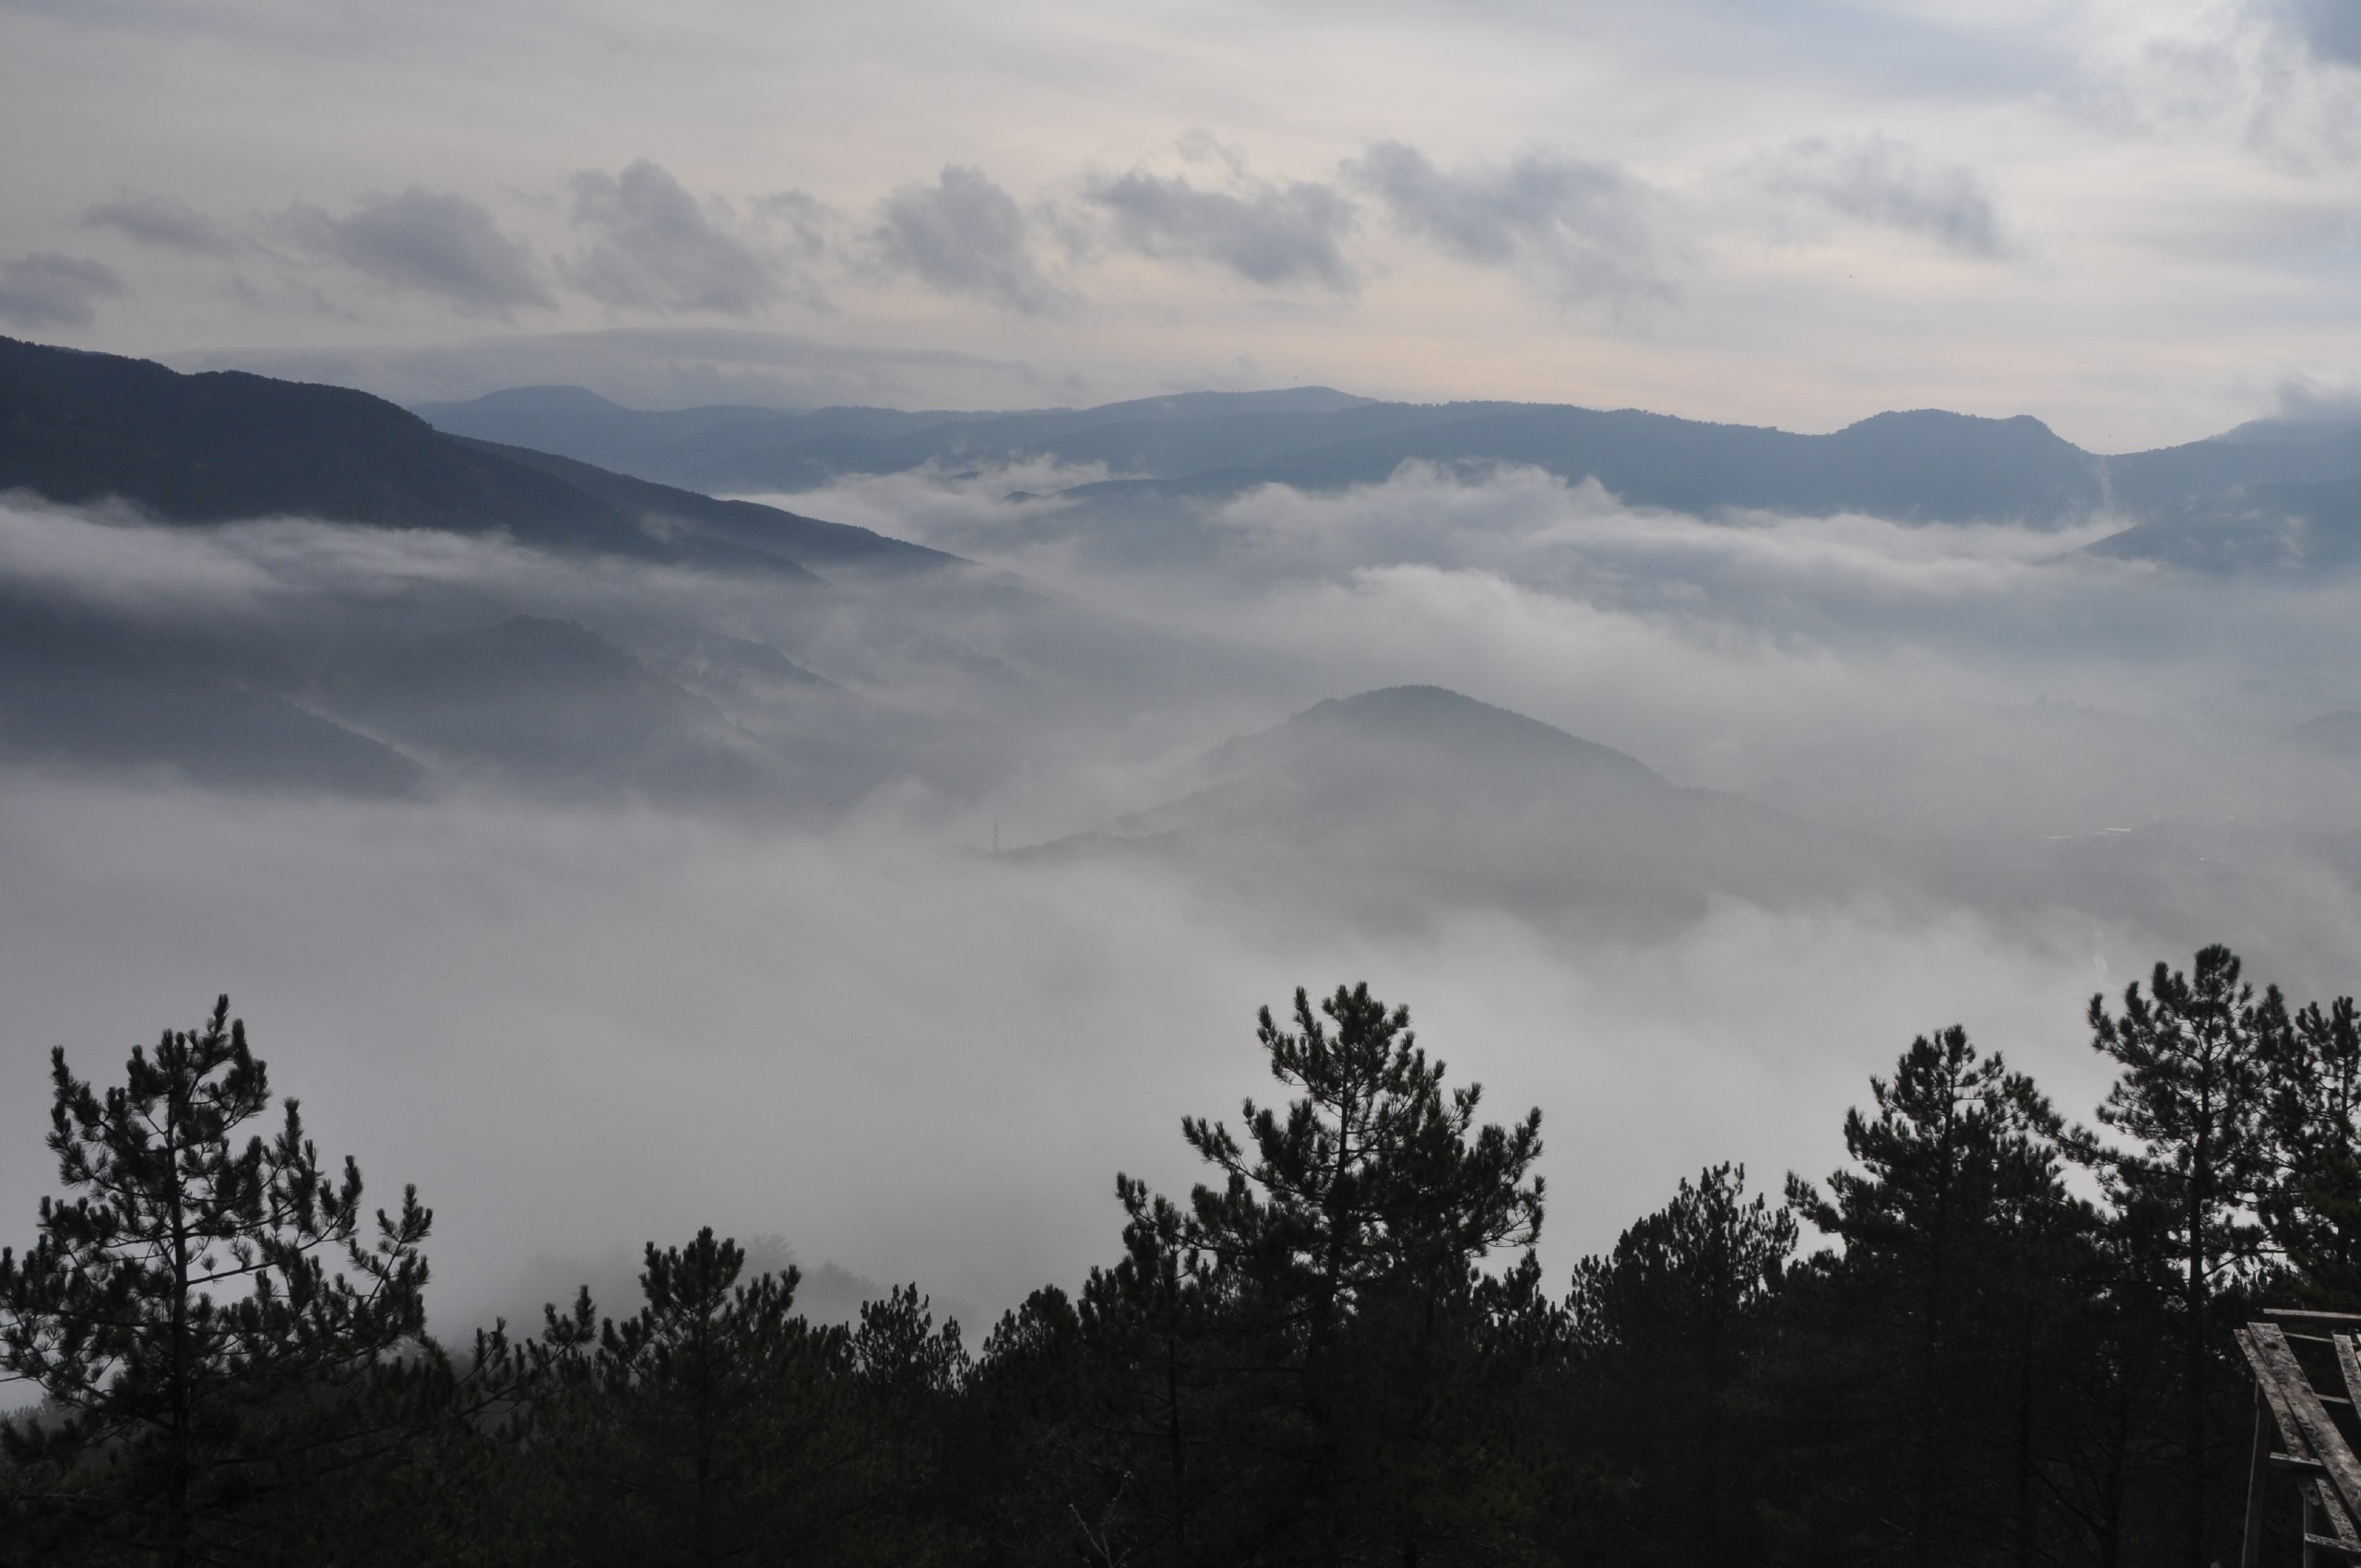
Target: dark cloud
1274	235
2331	29
49	290
965	235
1583	228
163	222
656	246
429	242
1887	183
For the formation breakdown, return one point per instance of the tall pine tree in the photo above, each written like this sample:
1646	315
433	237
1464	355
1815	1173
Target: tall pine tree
2194	1090
179	1313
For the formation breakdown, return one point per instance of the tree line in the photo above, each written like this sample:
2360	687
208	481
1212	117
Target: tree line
1993	1336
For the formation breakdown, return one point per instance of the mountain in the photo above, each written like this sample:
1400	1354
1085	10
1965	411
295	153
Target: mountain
2215	505
2336	735
1924	464
1398	802
743	524
729	447
353	678
86	694
2308	527
223	445
548	702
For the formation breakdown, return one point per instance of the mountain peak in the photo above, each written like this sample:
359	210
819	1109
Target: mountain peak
1430	724
550	399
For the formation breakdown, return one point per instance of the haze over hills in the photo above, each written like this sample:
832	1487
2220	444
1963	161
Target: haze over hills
494	745
1923	466
307	662
1414	800
349	601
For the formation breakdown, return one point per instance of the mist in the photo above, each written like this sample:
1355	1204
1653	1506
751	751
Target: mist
768	971
578	1028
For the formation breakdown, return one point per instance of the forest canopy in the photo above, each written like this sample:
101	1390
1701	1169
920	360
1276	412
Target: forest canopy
1994	1335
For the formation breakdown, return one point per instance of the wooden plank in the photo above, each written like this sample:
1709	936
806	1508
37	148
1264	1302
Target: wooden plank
2307	1312
2266	1383
2276	1365
2258	1483
2340	1523
2347	1368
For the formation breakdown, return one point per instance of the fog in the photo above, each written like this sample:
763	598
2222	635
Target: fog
755	963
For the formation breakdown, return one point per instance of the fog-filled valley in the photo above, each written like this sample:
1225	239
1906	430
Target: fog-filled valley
1193	785
611	859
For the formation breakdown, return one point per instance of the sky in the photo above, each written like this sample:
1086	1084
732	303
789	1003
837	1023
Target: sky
2132	219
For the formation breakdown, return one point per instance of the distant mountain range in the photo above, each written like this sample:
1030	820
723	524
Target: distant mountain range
560	467
2270	493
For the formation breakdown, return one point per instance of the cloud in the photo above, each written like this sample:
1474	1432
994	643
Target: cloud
756	1030
1274	235
655	246
429	242
45	289
162	222
1887	183
2319	401
965	235
2330	29
1583	228
525	948
806	219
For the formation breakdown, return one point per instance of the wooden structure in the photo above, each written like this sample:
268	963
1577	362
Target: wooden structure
2328	1474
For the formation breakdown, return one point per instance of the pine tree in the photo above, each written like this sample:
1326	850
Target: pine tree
2311	1202
179	1314
1345	1243
2193	1097
1665	1326
1956	1228
714	1425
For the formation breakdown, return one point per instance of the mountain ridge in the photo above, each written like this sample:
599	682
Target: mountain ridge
1911	465
215	447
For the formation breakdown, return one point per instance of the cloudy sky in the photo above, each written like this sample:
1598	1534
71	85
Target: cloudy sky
2134	219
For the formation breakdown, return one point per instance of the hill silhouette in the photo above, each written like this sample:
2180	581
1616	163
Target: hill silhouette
223	445
1411	800
2195	506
